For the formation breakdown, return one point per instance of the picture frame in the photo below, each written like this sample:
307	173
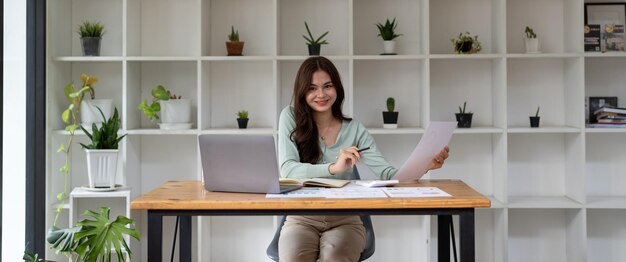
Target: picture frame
605	13
610	18
596	102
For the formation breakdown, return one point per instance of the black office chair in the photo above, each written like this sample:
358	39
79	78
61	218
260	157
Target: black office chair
368	250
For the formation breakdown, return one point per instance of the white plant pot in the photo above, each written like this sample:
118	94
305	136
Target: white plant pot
175	112
89	111
102	167
532	45
389	47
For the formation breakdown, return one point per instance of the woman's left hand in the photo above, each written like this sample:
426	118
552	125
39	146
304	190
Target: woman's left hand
440	158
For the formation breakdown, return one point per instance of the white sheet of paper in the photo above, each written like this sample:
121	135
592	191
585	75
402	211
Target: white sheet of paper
415	192
305	192
436	137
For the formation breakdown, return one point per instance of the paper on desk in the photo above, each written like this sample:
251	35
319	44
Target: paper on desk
305	192
354	191
436	137
415	192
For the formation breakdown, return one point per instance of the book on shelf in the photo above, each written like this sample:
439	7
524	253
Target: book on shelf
613	37
610	109
606	125
611	121
597	102
592	38
320	182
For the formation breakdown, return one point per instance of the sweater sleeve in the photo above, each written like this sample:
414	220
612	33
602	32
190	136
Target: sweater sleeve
372	157
288	157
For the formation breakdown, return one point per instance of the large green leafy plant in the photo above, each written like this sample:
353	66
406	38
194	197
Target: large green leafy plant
94	240
106	136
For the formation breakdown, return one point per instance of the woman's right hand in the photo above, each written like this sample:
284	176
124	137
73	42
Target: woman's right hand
347	158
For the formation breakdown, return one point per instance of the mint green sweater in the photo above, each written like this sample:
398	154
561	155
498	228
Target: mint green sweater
352	133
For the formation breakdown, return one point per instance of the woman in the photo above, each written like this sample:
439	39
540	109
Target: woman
315	139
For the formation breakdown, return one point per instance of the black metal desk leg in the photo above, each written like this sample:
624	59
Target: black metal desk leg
155	239
185	239
467	236
443	238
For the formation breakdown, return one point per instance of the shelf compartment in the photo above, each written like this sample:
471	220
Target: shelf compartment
606	235
452	82
604	76
163	28
542	129
546	235
556	23
374	81
224	95
254	20
411	26
547	166
109	86
605	164
461	17
479	56
545	83
606	202
321	16
474	160
65	17
180	78
543	202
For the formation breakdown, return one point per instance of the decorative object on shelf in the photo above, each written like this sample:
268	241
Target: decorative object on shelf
103	150
90	37
89	113
464	119
95	240
175	111
314	44
390	118
242	119
534	120
531	42
387	32
592	38
234	47
611	17
466	44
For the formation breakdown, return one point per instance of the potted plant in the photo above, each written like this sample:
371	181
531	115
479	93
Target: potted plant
314	44
242	119
464	119
89	112
390	118
90	37
466	44
534	120
93	240
102	152
234	47
387	32
175	111
531	41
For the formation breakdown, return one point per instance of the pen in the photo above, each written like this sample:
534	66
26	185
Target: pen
363	149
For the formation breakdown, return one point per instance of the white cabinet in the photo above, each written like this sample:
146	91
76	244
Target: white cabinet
558	186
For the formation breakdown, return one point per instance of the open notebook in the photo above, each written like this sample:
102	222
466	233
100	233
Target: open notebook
320	182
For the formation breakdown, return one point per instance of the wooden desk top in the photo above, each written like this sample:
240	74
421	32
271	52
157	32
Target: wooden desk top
191	195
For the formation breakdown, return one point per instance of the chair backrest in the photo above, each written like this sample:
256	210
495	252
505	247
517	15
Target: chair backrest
370	240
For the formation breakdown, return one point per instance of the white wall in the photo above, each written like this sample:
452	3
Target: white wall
14	136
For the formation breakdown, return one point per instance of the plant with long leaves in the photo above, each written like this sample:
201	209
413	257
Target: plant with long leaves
70	117
89	29
104	137
387	30
310	40
95	240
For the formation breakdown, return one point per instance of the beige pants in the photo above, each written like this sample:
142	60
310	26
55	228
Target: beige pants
327	238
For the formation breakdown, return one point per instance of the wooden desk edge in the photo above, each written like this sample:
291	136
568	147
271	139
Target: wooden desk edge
190	195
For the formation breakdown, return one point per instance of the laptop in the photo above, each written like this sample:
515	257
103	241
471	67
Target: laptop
240	163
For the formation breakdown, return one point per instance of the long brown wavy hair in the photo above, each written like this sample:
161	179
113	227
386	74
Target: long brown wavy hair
305	133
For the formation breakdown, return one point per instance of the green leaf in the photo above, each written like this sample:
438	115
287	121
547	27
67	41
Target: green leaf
60	196
61	148
69	88
65	116
160	93
71	128
64	169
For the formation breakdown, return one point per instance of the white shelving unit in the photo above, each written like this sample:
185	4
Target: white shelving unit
557	191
